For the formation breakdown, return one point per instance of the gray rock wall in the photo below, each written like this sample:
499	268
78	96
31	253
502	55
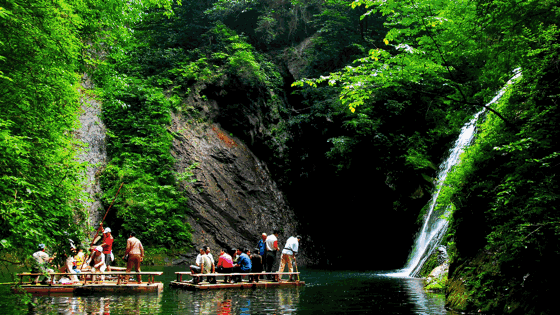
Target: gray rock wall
92	133
234	199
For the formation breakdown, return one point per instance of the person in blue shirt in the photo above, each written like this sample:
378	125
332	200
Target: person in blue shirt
262	245
243	264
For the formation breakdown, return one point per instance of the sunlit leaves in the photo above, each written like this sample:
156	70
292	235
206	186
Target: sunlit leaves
42	57
137	113
40	176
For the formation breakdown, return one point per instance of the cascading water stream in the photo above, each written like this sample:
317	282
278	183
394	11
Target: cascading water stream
435	226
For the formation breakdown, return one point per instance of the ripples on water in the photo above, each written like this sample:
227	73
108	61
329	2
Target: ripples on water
326	292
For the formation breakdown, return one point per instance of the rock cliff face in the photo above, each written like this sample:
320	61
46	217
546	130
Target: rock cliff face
92	132
234	199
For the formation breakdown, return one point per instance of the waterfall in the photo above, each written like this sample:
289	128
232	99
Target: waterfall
435	226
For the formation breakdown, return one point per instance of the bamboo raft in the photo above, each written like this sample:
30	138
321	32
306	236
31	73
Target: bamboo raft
197	283
87	285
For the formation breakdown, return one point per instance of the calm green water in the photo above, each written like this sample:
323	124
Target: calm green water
326	292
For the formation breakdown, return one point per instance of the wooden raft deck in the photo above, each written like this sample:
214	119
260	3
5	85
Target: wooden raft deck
244	284
87	286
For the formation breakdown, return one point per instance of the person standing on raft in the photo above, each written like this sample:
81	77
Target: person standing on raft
271	249
135	252
107	247
289	254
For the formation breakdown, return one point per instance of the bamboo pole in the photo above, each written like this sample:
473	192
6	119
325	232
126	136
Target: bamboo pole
295	262
101	223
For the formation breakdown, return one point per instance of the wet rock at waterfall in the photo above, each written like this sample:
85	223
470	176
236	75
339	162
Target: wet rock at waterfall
437	279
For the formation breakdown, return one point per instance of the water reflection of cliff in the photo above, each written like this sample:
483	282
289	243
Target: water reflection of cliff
424	302
132	304
250	301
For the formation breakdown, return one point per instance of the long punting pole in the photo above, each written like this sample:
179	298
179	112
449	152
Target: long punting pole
101	224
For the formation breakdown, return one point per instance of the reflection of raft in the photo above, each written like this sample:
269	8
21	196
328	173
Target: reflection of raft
220	284
86	286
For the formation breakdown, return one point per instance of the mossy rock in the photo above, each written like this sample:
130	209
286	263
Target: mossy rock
437	279
429	265
435	287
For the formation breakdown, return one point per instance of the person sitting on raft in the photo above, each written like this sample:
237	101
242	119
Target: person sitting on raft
67	267
225	264
207	266
97	262
243	264
256	264
196	268
204	265
79	258
41	263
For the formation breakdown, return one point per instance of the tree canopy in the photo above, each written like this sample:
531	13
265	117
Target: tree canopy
348	90
40	58
45	47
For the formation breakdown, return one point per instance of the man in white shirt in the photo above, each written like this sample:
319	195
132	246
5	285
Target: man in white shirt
41	261
209	254
289	253
196	267
97	263
271	249
204	264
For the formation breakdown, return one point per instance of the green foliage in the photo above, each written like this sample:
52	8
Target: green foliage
507	184
16	304
448	58
342	36
238	56
40	175
404	111
137	115
141	84
42	56
136	111
188	175
266	29
222	53
268	24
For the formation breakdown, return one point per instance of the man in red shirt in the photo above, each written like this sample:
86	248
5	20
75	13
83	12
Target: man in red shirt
107	247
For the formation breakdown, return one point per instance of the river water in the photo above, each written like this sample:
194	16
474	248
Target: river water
326	292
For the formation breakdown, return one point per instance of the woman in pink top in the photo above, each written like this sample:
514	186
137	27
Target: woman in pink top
225	264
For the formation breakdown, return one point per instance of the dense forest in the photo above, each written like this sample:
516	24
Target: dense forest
352	104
